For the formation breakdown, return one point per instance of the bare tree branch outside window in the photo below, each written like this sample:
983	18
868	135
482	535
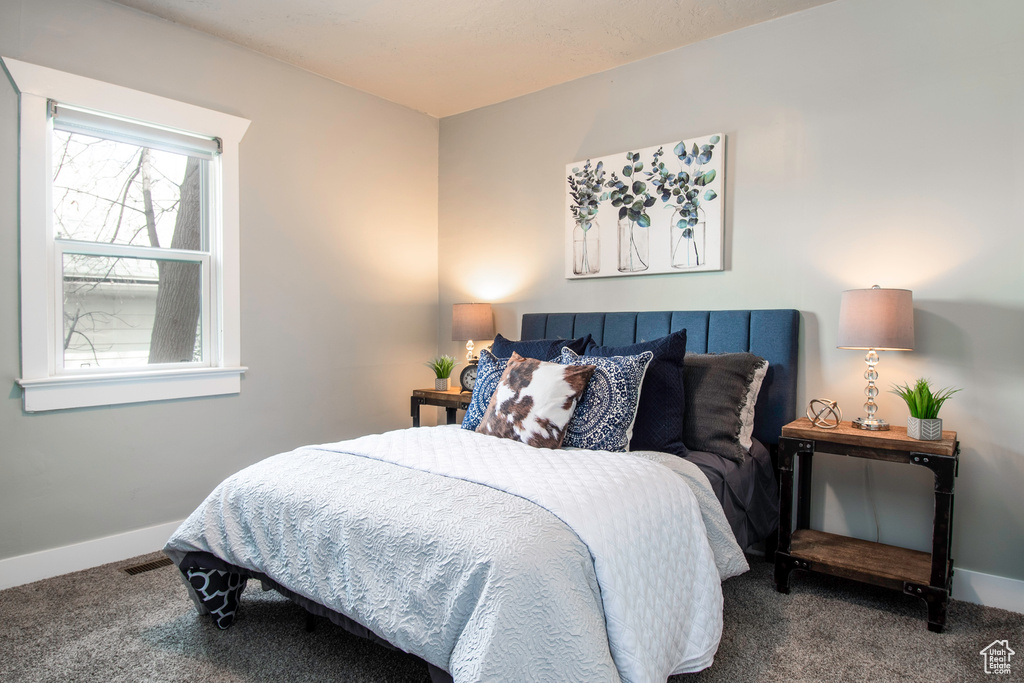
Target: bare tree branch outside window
118	310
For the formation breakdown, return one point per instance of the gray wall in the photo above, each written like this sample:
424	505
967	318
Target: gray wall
338	282
869	142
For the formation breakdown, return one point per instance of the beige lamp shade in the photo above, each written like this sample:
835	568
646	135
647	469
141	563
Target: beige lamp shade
881	319
472	321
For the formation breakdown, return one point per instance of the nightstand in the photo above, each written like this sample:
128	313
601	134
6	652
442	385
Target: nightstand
928	576
451	400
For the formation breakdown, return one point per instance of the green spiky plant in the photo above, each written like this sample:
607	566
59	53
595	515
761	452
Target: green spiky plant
924	404
442	366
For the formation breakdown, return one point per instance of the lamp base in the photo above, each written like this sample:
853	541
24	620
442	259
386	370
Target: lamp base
874	424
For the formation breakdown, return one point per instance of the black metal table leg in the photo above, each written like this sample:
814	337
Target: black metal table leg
415	404
803	498
941	580
791	450
787	452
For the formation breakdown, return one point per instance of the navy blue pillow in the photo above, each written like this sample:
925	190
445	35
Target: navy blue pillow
541	349
659	418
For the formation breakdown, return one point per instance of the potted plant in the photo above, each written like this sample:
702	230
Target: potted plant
442	367
924	423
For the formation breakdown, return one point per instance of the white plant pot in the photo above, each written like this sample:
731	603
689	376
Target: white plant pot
441	384
924	429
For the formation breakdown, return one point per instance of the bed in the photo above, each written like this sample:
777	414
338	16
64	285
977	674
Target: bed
494	560
747	492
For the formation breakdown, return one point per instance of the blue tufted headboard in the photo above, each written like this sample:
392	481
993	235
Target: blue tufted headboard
771	334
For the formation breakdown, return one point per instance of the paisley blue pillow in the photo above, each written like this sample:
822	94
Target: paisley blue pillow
488	373
603	420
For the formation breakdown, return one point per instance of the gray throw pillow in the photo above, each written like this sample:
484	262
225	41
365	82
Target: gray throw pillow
721	391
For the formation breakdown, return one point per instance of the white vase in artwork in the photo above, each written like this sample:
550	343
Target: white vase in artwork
586	248
634	247
688	244
441	384
924	429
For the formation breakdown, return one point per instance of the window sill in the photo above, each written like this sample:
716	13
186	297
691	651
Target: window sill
59	393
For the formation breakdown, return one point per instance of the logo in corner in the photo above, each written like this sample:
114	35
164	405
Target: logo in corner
997	657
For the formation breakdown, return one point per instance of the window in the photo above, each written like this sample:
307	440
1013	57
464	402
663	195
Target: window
131	234
129	244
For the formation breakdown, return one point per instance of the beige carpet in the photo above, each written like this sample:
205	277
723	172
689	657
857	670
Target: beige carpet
103	625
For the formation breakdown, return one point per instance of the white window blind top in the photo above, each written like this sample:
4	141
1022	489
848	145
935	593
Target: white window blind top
109	127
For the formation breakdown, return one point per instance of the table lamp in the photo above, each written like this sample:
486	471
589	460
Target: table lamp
875	319
469	322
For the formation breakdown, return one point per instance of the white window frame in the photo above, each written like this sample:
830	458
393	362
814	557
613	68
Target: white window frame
45	385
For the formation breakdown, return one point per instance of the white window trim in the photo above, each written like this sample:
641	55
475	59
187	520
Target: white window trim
43	387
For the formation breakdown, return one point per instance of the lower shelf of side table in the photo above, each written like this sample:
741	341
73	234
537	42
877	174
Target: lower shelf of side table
875	563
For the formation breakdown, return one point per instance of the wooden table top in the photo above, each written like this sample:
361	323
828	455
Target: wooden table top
453	390
452	397
894	438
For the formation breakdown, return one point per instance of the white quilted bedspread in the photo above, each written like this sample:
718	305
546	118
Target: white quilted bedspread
489	558
660	585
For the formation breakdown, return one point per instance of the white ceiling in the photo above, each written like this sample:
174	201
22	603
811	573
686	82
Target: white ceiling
449	56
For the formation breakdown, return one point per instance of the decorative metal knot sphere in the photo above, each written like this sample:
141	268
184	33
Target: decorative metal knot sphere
824	413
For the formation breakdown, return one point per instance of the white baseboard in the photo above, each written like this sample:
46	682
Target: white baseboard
988	590
969	586
15	571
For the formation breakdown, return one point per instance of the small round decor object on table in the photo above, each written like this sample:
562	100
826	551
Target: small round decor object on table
468	377
824	413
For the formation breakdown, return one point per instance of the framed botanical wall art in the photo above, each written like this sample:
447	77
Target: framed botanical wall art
655	210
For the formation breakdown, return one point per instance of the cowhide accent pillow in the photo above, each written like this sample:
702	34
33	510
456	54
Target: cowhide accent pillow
534	401
603	421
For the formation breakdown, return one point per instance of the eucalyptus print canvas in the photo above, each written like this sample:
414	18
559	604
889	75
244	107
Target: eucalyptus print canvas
653	210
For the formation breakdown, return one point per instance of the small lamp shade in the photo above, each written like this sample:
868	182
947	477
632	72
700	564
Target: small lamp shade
472	321
875	319
881	319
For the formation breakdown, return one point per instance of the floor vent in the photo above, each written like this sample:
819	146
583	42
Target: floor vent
148	566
